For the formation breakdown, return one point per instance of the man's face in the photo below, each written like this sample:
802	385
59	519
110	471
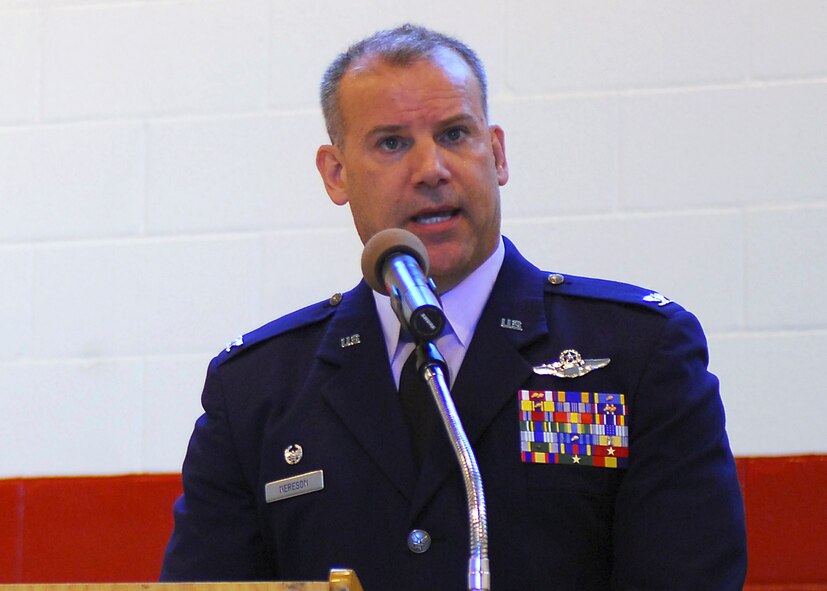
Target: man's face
418	154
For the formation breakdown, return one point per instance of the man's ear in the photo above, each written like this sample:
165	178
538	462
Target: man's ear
331	166
498	147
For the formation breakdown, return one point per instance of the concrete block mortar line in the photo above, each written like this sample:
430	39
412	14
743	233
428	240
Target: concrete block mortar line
618	156
788	206
27	350
142	230
149	118
70	361
41	67
632	91
784	82
763	334
140	460
512	97
268	60
78	124
91	362
253	232
235	115
142	240
261	273
696	88
626	215
28	251
150	115
752	16
742	316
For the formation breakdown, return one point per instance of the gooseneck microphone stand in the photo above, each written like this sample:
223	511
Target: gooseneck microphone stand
395	264
431	365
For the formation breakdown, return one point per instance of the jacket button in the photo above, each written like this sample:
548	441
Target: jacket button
556	279
419	541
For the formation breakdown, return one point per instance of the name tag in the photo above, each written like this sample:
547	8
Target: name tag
294	486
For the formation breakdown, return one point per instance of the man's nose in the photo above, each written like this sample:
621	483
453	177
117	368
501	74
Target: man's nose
430	166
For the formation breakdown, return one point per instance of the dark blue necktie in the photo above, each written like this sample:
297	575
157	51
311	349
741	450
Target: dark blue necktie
419	407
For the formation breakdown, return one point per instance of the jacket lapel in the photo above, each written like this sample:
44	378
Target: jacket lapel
361	390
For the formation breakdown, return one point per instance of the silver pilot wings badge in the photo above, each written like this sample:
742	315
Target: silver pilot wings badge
570	365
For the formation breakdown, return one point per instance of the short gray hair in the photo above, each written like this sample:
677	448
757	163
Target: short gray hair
401	46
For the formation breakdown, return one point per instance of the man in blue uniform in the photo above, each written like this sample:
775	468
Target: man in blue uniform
598	430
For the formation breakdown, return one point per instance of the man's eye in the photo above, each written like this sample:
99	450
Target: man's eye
390	144
454	134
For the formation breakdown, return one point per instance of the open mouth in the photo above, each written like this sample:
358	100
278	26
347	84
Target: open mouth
435	217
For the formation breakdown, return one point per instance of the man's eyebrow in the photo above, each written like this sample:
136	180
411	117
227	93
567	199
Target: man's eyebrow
381	129
461	118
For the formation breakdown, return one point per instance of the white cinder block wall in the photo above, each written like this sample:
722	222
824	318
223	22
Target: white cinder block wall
158	194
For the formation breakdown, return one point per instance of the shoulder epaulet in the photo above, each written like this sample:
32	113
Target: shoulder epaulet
306	316
614	291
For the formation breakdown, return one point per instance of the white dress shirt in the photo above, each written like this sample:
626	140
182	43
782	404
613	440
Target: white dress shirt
462	305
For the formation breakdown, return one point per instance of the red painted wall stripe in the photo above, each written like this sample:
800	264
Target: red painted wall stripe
115	528
786	507
88	529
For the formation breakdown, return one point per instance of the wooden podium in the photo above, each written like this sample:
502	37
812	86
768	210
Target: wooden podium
340	580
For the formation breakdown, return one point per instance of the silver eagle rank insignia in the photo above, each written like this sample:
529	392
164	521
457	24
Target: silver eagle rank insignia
236	342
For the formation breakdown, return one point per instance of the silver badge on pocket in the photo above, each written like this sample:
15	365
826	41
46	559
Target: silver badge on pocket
570	365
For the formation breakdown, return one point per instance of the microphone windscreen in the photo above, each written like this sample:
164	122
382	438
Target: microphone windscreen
381	246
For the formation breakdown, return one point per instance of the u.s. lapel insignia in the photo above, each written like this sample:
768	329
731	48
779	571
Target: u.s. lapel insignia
657	298
236	342
570	365
353	339
511	324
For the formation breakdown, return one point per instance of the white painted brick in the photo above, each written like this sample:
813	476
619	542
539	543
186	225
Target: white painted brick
723	147
159	57
787	268
688	149
70	418
172	389
307	36
697	260
562	156
767	384
665	43
789	38
557	45
19	65
238	173
792	162
15	302
11	5
302	268
174	296
71	181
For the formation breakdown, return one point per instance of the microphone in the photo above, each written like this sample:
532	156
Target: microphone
395	263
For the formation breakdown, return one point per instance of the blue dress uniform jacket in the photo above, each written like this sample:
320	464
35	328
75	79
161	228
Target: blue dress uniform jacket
672	519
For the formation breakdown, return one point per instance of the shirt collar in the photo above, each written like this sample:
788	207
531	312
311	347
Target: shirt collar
462	304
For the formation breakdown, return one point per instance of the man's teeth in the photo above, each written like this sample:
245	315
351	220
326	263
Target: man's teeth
433	218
